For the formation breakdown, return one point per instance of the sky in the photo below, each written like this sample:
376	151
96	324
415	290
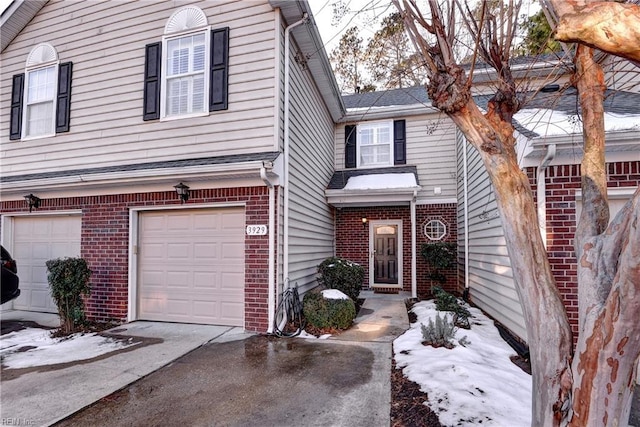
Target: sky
470	385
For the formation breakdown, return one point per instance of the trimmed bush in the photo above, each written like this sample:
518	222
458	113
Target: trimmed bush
448	302
69	283
439	256
321	312
343	275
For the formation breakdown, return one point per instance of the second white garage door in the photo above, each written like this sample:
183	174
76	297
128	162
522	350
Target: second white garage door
37	239
191	266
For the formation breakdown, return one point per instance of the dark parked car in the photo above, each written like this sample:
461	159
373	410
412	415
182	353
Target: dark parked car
10	280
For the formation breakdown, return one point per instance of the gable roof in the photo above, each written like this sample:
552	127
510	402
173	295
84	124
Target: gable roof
311	46
21	13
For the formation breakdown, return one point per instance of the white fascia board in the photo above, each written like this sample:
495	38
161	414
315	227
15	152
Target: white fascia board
390	112
619	146
381	197
148	176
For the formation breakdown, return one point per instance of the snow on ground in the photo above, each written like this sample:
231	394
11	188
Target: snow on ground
466	386
35	347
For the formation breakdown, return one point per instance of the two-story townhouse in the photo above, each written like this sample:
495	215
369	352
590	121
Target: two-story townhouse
394	188
182	148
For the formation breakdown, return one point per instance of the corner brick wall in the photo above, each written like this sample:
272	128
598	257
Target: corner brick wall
352	239
105	243
561	184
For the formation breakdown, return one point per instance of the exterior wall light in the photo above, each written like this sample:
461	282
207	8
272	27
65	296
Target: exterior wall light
32	201
364	222
183	192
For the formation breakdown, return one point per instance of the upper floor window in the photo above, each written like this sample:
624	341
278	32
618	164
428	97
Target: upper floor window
187	73
41	97
375	144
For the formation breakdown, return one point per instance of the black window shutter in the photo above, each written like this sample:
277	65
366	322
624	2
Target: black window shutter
219	73
152	64
63	105
350	146
17	91
399	142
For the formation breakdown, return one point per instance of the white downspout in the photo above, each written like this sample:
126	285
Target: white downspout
541	191
285	180
465	190
271	301
414	283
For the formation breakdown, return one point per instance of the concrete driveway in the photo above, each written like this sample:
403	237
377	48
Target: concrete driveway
211	375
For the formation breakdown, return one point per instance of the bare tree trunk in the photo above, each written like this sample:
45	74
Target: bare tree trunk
608	297
548	329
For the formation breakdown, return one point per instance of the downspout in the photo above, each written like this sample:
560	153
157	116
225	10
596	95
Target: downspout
414	284
465	190
285	179
271	301
541	191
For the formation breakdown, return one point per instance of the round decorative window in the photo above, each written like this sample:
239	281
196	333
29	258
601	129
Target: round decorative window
435	229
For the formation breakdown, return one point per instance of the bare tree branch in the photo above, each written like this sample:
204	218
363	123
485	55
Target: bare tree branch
609	26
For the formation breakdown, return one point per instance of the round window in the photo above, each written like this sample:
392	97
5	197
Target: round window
435	229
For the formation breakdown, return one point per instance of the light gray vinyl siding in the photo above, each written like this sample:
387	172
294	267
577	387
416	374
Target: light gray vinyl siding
106	43
491	282
430	147
311	222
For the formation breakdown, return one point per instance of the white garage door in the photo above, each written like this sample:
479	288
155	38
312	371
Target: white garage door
191	266
35	241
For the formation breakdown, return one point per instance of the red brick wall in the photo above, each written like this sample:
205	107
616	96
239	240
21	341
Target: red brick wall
352	239
561	184
447	214
105	242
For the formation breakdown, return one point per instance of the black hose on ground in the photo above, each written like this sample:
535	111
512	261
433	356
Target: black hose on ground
289	313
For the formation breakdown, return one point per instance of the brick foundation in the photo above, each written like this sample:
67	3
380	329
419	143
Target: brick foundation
105	244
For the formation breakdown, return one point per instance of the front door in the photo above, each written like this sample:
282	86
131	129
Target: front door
386	254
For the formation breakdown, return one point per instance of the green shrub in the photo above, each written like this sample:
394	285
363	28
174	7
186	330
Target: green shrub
69	282
441	333
439	256
321	312
343	275
448	302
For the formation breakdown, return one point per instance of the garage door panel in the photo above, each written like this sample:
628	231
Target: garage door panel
37	239
188	265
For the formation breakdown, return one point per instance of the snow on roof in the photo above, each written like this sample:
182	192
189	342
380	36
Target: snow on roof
553	122
381	181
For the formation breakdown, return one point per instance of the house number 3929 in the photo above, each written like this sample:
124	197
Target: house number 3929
256	230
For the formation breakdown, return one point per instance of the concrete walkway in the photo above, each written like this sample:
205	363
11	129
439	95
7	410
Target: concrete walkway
188	374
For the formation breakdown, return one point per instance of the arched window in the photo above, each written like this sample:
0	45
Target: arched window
187	73
41	97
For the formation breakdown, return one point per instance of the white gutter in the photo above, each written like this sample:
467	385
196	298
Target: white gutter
136	176
285	180
271	301
414	282
465	190
541	192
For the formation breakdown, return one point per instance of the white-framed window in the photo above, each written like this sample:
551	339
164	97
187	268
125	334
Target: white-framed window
186	74
40	91
375	144
435	229
185	64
